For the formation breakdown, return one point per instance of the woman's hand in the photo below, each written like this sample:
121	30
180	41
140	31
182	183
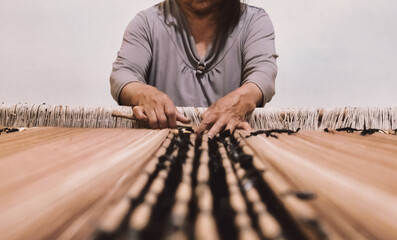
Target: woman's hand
151	105
229	112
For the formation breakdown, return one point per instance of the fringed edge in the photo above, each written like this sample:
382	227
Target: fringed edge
43	115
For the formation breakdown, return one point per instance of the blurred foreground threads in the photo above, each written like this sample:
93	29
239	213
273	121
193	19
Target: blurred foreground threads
80	183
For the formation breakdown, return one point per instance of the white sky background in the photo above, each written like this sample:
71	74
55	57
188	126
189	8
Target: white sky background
333	53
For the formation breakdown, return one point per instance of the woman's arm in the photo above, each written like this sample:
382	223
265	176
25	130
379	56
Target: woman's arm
259	73
128	84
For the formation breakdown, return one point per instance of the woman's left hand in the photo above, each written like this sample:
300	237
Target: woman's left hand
229	112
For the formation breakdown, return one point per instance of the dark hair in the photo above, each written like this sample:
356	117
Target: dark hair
230	13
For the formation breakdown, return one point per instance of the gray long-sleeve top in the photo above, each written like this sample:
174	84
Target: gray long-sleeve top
159	50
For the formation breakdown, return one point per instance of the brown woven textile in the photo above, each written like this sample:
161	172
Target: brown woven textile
149	184
54	182
353	176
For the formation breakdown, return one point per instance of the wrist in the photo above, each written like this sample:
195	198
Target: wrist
132	93
250	94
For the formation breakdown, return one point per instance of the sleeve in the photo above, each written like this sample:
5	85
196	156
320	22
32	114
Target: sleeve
134	58
259	55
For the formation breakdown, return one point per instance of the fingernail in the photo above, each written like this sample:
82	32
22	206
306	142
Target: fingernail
209	136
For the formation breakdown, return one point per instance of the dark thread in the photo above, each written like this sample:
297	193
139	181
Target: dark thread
364	131
347	129
302	195
269	133
223	213
370	131
8	130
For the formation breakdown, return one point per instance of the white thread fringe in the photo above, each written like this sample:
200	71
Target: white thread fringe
40	115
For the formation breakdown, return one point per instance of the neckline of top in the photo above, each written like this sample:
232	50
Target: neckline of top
177	26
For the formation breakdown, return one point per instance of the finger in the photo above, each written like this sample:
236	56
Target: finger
170	112
244	126
206	114
161	118
216	128
139	113
152	118
181	118
231	125
204	125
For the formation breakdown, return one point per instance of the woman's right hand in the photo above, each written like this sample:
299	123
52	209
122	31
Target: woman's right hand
151	105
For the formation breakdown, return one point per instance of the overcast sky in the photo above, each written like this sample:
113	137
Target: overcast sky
333	53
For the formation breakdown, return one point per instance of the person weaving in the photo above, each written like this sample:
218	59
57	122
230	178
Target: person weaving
218	54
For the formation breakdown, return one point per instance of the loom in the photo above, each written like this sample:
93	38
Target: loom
91	173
